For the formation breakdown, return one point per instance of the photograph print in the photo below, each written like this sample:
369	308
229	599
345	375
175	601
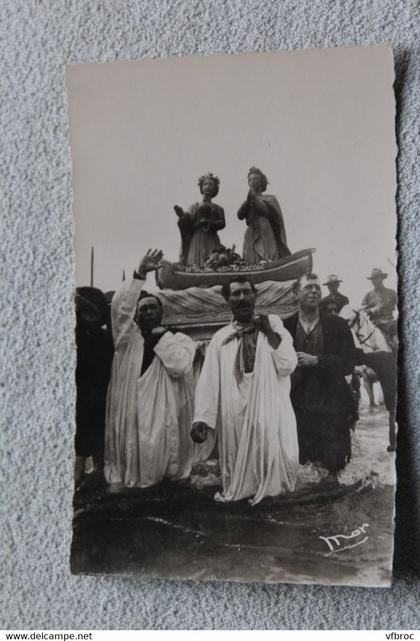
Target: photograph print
235	316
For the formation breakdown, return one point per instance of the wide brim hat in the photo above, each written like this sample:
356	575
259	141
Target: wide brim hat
377	273
332	278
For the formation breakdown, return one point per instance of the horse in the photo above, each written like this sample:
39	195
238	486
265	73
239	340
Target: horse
368	337
379	362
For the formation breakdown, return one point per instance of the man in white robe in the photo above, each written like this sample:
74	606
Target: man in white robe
150	396
244	395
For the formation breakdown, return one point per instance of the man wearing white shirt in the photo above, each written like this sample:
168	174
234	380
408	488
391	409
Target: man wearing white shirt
149	405
243	396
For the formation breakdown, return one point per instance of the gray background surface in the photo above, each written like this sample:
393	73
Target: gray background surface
37	346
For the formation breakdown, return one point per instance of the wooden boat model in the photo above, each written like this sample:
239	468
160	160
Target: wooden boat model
172	276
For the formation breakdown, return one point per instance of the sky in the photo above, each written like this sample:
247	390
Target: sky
319	123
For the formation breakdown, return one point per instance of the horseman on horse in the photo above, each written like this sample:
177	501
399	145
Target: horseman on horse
380	304
378	361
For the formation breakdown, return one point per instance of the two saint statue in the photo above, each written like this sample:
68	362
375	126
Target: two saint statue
265	236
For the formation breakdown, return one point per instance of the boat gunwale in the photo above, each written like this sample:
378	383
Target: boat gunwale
213	275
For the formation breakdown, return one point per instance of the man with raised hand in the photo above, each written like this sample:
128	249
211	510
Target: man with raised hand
149	406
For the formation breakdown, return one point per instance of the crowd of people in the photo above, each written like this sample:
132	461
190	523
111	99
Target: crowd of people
271	395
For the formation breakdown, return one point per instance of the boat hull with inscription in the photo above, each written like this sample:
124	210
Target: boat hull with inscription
169	276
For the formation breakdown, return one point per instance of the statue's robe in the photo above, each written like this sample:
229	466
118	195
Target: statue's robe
252	415
149	415
265	236
198	242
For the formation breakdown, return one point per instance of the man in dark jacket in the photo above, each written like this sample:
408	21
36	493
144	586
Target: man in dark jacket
333	283
320	396
94	358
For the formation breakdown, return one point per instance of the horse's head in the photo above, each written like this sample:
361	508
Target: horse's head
355	318
369	337
350	315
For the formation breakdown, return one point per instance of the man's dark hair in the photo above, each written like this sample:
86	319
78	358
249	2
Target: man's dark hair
91	297
145	294
296	285
238	279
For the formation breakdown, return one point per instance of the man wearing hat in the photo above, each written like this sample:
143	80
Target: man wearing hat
381	301
333	283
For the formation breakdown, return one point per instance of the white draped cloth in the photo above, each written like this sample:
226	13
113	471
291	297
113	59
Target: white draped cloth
252	415
148	417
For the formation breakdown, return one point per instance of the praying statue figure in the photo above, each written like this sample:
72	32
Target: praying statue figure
265	236
200	224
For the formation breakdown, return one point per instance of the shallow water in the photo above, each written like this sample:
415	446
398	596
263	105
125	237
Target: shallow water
177	530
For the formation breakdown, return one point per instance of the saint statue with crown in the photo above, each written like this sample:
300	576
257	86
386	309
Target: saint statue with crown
200	223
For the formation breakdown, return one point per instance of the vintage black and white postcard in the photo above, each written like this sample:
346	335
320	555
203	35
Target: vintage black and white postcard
236	316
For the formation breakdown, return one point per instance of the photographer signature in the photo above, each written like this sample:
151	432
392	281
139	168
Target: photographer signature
341	542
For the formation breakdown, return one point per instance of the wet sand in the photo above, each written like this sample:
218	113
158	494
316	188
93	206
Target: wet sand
321	533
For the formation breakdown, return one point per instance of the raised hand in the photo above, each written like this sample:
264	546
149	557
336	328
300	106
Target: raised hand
179	211
150	262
